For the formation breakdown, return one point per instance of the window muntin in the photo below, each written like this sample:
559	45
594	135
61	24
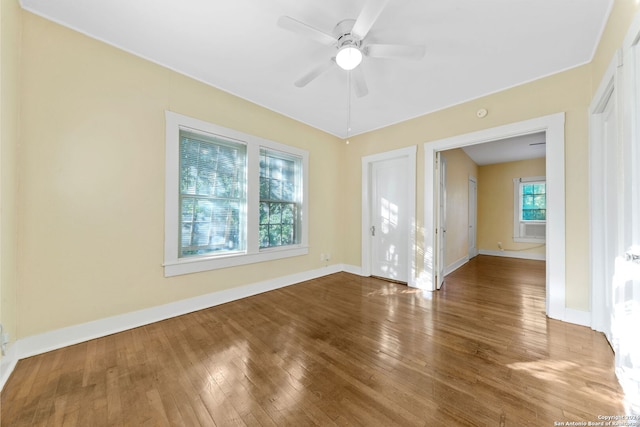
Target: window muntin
279	199
212	195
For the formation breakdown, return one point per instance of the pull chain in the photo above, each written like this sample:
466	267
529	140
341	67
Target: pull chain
348	104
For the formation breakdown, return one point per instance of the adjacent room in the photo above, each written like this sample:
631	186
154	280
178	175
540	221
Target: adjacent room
367	212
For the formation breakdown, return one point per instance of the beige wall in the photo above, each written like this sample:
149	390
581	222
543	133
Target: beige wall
92	180
91	171
620	19
496	204
9	131
459	168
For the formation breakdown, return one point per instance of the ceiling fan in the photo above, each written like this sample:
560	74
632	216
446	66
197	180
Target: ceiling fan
349	38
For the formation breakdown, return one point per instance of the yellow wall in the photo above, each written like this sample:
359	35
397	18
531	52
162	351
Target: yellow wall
459	168
496	204
9	130
92	180
91	171
620	19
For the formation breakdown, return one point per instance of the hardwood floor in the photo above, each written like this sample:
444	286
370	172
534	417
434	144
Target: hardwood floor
339	350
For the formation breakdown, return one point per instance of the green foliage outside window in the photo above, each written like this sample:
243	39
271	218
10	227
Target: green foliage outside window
278	200
534	202
211	195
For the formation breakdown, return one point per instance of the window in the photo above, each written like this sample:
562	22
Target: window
231	198
279	206
530	209
212	194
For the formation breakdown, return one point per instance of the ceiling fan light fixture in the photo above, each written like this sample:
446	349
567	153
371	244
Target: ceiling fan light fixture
348	57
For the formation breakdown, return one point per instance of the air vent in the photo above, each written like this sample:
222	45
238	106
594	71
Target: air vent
533	230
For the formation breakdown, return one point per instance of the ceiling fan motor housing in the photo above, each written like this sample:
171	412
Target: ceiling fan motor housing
349	54
344	36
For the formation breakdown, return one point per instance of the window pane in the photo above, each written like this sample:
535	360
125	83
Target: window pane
534	215
212	176
275	189
287	213
264	236
528	202
264	213
287	234
275	213
279	197
275	235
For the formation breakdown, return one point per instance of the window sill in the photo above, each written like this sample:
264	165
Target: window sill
199	264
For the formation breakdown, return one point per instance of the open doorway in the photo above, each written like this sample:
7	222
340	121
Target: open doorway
553	127
508	175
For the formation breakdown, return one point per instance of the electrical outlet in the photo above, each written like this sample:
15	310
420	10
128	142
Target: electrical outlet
500	246
327	256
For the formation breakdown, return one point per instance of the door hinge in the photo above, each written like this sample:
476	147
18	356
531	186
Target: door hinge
373	230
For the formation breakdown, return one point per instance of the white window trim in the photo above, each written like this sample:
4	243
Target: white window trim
517	206
173	265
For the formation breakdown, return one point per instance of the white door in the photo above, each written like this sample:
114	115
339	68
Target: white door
441	227
390	219
473	216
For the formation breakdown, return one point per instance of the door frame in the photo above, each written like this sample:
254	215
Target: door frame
441	219
553	126
473	214
367	162
607	92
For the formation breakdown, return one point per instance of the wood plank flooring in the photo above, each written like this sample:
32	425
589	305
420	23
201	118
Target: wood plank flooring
339	350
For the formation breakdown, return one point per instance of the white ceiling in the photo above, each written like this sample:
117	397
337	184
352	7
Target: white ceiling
523	147
473	48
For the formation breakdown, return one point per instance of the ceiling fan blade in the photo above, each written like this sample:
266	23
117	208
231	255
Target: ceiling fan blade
360	83
314	73
368	16
394	51
300	28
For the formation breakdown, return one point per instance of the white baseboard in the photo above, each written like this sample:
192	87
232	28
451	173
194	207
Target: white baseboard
353	269
59	338
577	317
8	363
456	265
513	254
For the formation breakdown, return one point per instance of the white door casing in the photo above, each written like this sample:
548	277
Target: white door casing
441	227
606	175
473	216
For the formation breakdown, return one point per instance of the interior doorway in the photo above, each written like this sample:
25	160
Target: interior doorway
553	126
